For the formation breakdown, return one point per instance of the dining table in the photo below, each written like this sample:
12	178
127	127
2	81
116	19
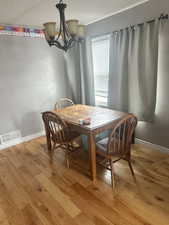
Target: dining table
101	119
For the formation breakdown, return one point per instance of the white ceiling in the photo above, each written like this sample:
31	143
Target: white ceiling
36	12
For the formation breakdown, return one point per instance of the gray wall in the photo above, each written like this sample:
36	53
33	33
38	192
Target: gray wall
138	14
32	79
158	131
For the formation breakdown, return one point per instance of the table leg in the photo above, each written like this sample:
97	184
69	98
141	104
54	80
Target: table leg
92	154
133	138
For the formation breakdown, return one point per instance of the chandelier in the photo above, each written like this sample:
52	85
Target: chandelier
67	35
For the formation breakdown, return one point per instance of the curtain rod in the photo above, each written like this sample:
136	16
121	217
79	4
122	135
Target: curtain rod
162	17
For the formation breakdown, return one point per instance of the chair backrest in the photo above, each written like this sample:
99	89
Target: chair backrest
120	138
63	102
55	126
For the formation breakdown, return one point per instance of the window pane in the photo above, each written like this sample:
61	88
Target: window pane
100	51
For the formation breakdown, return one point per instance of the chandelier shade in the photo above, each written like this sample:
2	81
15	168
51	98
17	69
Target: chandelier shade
81	31
50	29
67	34
72	26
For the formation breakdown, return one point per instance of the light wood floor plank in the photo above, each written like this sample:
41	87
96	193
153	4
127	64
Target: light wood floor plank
34	191
59	196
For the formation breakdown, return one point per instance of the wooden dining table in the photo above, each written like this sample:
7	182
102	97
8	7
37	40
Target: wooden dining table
102	119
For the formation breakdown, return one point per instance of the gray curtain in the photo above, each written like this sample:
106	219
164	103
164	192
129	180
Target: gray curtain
79	73
118	71
133	70
87	74
73	73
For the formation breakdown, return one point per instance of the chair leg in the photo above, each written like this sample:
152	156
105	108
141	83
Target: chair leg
112	174
51	153
132	171
67	160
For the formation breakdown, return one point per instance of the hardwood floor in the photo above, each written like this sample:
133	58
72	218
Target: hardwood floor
34	191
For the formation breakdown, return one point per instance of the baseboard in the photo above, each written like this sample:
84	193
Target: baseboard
33	136
151	145
21	140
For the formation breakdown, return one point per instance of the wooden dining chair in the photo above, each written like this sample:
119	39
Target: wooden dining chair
63	102
61	136
118	145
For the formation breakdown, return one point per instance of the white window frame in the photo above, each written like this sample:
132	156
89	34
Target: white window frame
101	100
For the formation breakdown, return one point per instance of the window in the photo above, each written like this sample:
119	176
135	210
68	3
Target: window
100	52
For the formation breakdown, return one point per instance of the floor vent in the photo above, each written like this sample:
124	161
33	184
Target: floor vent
12	137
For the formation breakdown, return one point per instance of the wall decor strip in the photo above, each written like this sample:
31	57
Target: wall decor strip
21	31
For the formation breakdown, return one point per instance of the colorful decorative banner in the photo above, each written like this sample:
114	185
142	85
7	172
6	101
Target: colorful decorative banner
21	31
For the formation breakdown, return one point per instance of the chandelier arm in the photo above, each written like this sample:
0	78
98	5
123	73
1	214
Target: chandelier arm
72	42
63	27
60	29
58	45
64	47
67	32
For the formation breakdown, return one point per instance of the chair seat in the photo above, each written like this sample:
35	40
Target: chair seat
72	135
101	148
69	136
